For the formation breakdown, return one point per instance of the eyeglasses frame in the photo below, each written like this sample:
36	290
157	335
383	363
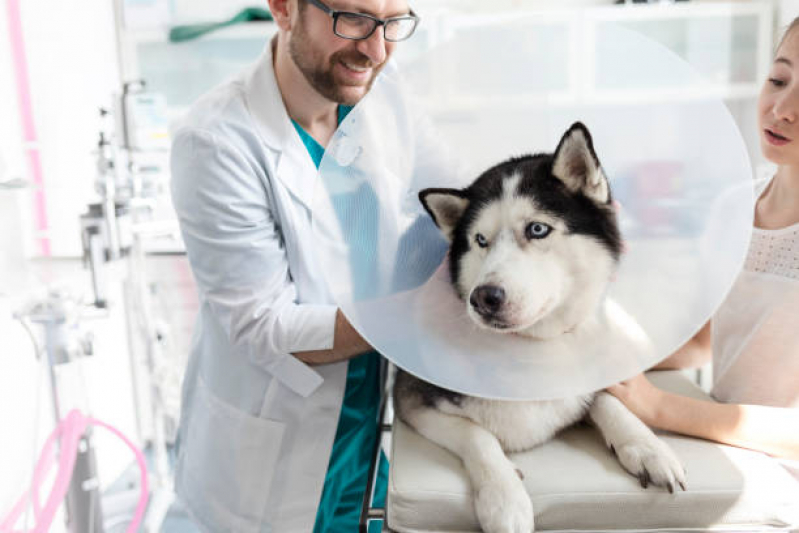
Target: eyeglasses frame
334	14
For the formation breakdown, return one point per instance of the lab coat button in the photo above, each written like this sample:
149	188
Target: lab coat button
345	151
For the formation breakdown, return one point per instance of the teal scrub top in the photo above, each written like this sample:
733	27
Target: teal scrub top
347	473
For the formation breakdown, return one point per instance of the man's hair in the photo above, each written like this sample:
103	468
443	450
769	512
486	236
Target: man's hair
794	25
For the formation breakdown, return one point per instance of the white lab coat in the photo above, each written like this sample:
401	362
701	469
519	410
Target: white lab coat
257	425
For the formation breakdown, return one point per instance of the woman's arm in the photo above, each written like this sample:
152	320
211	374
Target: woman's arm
773	430
693	354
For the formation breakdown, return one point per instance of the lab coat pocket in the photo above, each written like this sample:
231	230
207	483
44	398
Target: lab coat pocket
230	458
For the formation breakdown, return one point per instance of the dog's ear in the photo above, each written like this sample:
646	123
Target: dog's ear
577	166
446	206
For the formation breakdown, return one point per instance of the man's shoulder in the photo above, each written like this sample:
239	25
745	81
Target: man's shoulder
220	112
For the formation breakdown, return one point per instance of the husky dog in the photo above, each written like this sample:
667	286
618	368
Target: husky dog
533	243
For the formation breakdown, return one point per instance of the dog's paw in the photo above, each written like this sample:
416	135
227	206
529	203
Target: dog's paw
652	461
503	506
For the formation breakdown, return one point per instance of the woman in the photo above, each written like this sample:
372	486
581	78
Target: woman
754	342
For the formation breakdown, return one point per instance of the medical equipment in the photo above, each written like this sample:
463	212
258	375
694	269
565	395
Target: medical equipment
65	342
71	441
108	235
72	451
685	187
130	159
134	128
144	124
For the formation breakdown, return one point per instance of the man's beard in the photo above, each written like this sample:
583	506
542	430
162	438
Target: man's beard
322	78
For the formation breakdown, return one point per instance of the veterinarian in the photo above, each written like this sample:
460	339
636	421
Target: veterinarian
281	394
754	342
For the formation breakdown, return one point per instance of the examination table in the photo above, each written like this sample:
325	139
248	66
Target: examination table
577	485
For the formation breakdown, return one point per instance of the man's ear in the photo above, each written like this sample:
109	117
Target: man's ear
577	165
281	11
446	206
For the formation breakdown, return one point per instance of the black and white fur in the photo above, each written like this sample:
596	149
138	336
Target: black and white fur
534	242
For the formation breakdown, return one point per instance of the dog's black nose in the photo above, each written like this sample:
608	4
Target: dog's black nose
487	299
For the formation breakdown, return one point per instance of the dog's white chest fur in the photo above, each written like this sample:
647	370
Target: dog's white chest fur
521	425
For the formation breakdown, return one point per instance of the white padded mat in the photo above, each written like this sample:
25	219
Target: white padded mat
577	485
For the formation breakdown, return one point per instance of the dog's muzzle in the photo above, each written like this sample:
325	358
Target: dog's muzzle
487	300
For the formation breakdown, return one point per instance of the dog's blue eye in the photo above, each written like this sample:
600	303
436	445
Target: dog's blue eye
482	242
537	230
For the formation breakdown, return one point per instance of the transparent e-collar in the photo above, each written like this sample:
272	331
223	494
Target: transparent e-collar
675	161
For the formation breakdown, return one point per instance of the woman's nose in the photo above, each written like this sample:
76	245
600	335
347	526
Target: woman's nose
787	106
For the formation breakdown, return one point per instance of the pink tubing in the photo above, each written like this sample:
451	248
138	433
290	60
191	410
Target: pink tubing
26	116
69	432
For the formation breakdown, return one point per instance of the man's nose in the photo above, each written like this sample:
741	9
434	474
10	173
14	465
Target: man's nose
374	47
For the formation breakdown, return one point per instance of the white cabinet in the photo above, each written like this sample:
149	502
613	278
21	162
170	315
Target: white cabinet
727	43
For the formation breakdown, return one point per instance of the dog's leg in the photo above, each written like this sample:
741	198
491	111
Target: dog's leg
638	450
501	501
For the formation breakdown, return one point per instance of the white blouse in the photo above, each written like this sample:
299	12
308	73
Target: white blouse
755	332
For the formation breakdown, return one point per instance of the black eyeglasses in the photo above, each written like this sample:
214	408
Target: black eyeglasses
359	26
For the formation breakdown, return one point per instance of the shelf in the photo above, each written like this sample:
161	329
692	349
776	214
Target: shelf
246	30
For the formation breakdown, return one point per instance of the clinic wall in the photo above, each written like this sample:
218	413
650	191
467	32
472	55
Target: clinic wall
11	167
787	10
72	68
10	142
17	358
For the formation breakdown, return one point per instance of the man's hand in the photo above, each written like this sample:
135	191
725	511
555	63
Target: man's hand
642	398
347	343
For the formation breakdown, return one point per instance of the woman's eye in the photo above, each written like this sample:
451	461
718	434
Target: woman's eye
776	82
481	241
537	230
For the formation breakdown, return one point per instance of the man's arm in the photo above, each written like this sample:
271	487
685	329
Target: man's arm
693	354
347	343
238	258
773	430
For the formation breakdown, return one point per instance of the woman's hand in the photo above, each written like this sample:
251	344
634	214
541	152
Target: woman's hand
759	427
642	398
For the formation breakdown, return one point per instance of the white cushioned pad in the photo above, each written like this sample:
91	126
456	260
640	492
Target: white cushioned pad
577	485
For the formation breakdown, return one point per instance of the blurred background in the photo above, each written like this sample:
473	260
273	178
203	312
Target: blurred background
96	297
